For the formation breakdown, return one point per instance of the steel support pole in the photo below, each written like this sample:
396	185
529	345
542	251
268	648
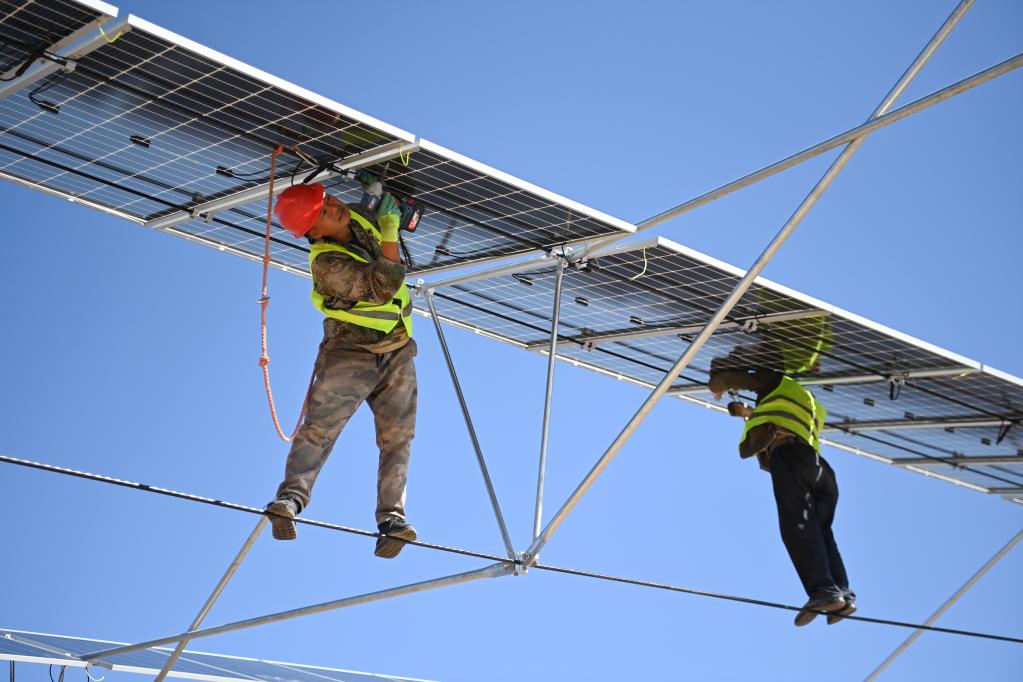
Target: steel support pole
863	130
492	571
212	599
509	548
552	359
747	280
944	607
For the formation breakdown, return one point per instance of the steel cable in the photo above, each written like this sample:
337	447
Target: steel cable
490	557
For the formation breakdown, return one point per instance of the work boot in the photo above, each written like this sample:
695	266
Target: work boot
812	607
848	609
394	533
282	511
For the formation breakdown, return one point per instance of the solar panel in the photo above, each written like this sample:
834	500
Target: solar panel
16	645
632	312
26	26
160	130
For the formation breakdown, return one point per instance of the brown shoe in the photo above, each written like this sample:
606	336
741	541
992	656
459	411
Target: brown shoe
847	610
394	533
814	606
282	511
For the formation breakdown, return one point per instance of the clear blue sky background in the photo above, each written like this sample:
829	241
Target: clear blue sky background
133	354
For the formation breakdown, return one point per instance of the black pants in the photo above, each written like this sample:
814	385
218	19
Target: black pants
807	494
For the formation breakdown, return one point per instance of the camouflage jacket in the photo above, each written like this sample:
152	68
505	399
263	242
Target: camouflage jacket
344	281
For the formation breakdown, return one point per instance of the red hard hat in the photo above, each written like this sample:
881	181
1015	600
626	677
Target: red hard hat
299	206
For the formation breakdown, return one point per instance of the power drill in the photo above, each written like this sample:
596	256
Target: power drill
372	194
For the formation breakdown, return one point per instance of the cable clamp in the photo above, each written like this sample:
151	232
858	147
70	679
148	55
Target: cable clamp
750	326
895	384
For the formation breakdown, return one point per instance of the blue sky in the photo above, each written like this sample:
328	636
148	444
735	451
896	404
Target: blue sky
133	354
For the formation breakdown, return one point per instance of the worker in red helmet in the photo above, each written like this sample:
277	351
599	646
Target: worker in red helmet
365	356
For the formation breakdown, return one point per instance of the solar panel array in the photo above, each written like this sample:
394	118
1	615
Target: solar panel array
155	128
632	313
163	131
60	650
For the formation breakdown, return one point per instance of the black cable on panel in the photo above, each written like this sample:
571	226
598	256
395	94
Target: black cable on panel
491	557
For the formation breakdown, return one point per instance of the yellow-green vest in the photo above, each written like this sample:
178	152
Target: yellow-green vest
794	409
384	317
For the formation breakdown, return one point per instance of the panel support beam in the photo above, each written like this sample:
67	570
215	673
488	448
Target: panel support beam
66	55
948	604
843	379
1005	491
590	340
859	132
552	360
545	261
212	599
531	554
508	546
905	424
492	571
386	152
957	461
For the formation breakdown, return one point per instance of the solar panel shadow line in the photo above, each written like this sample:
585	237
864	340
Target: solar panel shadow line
138	193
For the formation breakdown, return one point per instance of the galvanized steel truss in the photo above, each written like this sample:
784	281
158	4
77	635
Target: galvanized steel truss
564	259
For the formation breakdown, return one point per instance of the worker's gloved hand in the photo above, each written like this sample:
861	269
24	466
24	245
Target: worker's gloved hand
388	218
370	183
737	409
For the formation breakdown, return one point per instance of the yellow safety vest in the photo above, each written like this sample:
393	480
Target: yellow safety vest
794	409
383	317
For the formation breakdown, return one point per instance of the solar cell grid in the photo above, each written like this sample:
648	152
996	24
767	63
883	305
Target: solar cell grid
153	126
642	295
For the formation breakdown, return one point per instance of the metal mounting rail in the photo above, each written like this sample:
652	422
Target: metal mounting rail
530	555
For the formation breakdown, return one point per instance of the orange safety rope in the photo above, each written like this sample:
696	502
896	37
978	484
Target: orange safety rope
264	301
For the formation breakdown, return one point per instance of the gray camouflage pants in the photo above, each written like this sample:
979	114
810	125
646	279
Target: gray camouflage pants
345	377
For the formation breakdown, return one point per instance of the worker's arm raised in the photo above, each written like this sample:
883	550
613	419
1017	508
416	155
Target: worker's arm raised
389	219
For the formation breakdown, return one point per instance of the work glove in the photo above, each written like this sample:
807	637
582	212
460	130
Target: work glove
388	218
737	409
370	183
